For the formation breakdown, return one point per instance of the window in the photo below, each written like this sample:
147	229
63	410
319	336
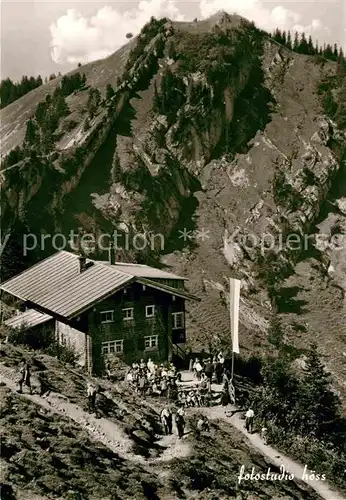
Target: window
112	347
128	313
107	316
151	342
149	311
178	320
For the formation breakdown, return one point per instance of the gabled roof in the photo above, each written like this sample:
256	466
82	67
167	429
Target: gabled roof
140	270
28	319
56	286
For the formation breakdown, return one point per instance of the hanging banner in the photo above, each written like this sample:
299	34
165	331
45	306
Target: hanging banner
234	312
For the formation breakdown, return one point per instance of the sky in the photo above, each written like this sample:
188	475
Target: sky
44	37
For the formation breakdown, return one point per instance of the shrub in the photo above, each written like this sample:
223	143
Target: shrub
36	338
41	337
302	415
70	125
63	352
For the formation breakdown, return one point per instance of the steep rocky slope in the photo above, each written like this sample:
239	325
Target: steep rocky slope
218	133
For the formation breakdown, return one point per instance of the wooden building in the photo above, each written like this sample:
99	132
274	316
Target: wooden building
105	309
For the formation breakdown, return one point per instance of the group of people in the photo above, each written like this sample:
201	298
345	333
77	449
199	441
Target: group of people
160	380
194	397
167	421
155	380
210	369
149	378
214	370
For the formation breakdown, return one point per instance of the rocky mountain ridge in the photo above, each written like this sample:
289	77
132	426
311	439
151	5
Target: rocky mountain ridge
216	138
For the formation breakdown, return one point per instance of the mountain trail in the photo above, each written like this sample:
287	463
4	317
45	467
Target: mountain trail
101	429
273	455
113	437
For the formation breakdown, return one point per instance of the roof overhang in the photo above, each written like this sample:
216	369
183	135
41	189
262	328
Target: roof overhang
178	292
28	319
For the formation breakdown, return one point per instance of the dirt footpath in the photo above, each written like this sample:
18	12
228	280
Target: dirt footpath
101	429
275	457
112	435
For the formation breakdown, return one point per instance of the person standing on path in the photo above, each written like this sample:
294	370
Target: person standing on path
215	364
142	385
208	370
264	434
151	367
166	420
91	394
164	387
108	369
25	376
180	422
191	365
198	369
202	425
249	420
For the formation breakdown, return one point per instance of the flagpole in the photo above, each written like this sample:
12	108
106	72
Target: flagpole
232	369
234	292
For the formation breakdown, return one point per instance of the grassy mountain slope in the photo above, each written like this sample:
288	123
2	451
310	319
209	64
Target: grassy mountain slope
98	73
73	462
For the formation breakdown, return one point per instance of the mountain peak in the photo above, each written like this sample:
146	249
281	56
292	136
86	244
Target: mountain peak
230	21
222	16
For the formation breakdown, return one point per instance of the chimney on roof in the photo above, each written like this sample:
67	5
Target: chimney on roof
82	263
111	254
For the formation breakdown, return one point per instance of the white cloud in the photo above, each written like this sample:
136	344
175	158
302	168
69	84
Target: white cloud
254	10
79	39
283	17
315	25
